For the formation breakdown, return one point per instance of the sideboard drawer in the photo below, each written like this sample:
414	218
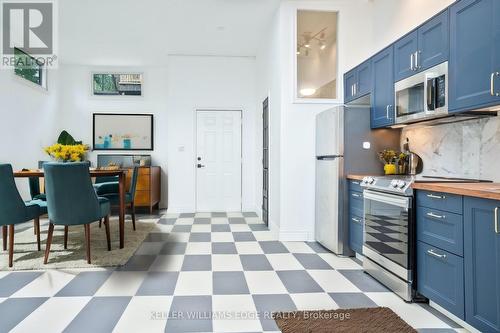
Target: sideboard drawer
442	201
356	203
441	229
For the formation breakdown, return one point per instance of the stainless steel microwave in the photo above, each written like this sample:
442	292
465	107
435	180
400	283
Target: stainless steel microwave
423	95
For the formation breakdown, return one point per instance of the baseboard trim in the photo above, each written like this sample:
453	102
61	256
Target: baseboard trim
453	317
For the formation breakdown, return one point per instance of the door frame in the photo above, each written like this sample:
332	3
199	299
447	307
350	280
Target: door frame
195	148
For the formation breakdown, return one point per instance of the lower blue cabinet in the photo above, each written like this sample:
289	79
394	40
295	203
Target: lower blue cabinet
440	277
356	233
482	264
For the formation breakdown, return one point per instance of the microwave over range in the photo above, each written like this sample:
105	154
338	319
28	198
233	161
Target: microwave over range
422	96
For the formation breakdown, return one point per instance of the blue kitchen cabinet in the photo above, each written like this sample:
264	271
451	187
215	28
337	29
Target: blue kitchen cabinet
382	97
349	85
440	277
482	263
404	56
433	42
356	224
364	79
474	55
357	82
422	48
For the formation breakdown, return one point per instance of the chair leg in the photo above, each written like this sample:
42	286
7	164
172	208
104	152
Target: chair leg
49	242
11	244
37	230
108	236
87	241
34	227
100	223
132	206
65	237
4	236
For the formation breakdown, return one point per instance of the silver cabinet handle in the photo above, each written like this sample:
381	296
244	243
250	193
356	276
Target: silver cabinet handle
355	195
412	66
432	253
431	214
433	196
496	220
492	84
354	183
387	112
355	89
356	220
417	66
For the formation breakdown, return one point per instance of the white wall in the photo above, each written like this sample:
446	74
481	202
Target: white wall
172	93
298	120
29	117
196	82
268	84
394	18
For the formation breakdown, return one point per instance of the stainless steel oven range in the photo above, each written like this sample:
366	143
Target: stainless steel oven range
389	233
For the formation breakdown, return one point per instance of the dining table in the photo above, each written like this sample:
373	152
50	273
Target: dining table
122	176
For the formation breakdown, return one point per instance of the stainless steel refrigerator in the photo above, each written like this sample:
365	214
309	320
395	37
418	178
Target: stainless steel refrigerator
345	144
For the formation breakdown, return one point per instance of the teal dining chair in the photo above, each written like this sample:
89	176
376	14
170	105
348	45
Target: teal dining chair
106	185
114	198
71	201
34	184
13	210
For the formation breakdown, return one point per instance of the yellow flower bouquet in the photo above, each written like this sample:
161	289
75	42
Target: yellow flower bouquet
67	149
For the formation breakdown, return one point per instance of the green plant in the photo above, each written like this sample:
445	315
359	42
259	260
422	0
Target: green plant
66	139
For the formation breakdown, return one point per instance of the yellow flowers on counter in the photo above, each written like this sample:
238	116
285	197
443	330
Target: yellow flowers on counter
67	153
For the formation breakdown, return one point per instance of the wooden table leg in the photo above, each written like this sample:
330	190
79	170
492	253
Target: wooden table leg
122	209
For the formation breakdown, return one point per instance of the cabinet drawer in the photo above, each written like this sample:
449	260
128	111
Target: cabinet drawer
441	229
442	201
356	203
356	233
355	185
440	277
142	198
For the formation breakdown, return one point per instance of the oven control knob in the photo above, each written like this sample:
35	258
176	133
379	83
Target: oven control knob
394	183
371	180
401	184
365	180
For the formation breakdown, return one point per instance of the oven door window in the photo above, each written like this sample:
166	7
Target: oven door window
386	226
410	100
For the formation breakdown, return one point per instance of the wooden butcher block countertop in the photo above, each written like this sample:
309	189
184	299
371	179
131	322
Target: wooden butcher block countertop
479	190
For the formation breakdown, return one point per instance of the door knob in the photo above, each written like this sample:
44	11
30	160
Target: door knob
200	166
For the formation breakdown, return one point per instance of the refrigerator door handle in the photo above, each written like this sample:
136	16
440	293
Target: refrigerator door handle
328	157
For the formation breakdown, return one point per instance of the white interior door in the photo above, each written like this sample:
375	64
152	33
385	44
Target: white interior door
218	161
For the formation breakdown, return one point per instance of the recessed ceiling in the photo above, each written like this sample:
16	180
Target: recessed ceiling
131	32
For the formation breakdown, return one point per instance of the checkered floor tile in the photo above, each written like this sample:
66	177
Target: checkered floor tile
210	272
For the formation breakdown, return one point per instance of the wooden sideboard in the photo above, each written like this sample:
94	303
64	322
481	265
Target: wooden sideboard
148	190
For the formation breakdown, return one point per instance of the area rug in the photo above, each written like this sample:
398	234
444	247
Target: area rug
382	320
26	256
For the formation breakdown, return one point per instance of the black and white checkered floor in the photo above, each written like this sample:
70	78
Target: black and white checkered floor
205	272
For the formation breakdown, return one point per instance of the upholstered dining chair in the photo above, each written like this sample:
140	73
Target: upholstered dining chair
114	198
106	185
34	183
13	210
71	201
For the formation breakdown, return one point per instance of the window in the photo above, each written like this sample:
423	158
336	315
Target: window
29	68
107	84
316	54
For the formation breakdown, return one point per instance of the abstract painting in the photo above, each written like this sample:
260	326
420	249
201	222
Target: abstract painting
113	131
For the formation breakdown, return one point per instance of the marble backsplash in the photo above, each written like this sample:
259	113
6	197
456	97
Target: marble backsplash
469	149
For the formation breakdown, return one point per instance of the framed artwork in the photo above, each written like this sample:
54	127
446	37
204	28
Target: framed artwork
116	131
29	68
117	84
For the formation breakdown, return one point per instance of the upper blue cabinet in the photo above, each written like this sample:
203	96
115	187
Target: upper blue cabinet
357	82
382	97
474	67
423	48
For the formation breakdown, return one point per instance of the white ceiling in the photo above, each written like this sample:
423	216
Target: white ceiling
132	32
